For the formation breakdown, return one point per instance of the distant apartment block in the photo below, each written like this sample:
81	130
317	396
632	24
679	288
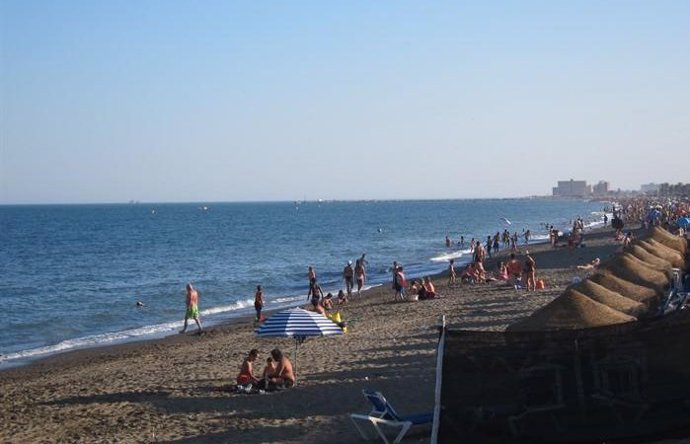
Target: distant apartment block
600	189
572	188
649	188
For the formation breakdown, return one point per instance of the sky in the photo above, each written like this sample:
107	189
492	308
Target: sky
179	101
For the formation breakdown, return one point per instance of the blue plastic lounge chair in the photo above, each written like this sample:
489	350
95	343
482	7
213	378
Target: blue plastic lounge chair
383	414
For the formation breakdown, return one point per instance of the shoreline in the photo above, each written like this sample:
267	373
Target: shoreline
242	315
163	389
421	267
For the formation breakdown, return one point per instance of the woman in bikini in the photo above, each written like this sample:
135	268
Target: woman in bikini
360	275
530	272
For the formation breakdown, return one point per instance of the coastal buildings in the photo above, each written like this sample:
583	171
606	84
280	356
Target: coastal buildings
580	188
572	188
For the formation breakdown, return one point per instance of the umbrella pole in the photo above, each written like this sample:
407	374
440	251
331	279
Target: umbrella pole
295	369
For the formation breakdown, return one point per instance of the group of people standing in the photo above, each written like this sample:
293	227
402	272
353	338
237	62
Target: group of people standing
321	302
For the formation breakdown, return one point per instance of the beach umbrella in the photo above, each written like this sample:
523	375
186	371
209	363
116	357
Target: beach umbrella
675	242
637	272
640	293
297	323
646	256
608	297
664	252
572	310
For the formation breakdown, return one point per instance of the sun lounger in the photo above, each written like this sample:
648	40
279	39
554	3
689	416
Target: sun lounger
383	414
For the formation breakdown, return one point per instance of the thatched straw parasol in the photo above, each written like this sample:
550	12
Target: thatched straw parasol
662	236
637	273
609	298
642	254
640	293
572	310
652	265
664	252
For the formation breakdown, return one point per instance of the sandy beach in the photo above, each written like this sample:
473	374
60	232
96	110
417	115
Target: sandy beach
163	390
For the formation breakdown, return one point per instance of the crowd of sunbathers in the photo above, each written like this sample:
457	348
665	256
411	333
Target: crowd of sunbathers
277	374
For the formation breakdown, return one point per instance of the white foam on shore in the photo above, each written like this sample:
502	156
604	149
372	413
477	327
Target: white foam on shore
134	334
92	341
447	256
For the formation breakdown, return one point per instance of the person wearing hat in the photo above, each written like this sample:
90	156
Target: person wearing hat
348	276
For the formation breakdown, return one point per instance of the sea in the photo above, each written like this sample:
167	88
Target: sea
72	274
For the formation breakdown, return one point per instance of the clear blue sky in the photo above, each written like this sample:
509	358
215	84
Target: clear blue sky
281	100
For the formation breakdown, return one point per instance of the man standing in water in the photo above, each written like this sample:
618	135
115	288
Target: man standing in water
348	277
192	308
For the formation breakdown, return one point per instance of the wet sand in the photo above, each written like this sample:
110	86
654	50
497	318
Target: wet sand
163	390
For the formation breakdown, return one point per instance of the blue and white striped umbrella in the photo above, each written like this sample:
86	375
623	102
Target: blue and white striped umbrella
297	322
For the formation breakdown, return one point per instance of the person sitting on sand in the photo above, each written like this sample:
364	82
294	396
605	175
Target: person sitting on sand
246	375
627	240
591	265
468	274
318	308
342	298
328	301
417	291
270	368
283	376
502	271
479	272
429	289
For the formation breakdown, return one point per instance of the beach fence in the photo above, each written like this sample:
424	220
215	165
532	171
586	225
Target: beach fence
622	381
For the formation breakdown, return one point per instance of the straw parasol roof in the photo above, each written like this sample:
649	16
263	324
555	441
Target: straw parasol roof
640	293
664	252
571	310
652	265
609	298
637	272
646	256
662	236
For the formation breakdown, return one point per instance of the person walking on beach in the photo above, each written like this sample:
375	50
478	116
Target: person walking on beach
348	277
489	245
192	301
315	294
451	272
530	270
399	284
363	262
360	275
311	275
259	303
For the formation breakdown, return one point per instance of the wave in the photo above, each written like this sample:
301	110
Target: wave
448	256
92	341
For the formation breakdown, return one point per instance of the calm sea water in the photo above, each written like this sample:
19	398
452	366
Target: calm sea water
71	274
